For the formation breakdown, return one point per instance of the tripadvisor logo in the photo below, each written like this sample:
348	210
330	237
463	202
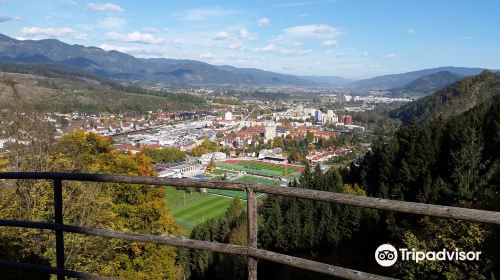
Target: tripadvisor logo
387	255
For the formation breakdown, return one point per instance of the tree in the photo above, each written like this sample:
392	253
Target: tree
277	142
123	207
294	156
204	148
165	154
438	234
211	166
309	137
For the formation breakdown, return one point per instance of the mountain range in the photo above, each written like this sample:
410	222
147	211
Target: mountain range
452	99
427	84
393	81
183	72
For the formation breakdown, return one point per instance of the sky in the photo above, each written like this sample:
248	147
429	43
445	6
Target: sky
349	38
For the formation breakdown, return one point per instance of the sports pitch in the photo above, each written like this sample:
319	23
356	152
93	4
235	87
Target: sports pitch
192	208
260	168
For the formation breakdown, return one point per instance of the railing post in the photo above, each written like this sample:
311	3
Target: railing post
58	217
252	231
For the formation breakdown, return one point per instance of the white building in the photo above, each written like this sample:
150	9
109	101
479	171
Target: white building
181	170
228	116
330	117
206	158
270	132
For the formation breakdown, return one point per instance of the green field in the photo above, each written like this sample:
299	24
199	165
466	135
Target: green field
245	180
189	210
192	208
261	168
256	180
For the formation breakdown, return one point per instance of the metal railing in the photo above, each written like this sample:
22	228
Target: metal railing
250	251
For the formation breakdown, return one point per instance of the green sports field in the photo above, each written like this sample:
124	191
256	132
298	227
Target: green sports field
246	180
192	208
260	168
256	180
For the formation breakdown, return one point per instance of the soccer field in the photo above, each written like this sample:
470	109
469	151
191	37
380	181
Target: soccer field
261	168
190	210
246	180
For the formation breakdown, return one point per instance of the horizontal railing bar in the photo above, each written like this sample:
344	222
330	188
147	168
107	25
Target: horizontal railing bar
51	270
203	245
473	215
313	265
467	214
126	179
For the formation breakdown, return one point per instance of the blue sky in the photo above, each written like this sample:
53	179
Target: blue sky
350	38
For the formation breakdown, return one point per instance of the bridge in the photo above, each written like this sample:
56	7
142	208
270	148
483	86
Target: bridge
251	251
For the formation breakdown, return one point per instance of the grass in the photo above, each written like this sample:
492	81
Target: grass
221	172
192	208
245	180
257	180
260	168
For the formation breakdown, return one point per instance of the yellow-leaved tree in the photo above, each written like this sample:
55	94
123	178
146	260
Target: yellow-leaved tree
123	207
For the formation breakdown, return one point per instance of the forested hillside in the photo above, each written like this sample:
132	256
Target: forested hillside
451	100
427	84
67	90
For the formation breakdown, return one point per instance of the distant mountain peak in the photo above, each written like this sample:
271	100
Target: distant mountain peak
114	64
5	38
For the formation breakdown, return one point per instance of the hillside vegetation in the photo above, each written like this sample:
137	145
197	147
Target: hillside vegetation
451	100
427	84
68	90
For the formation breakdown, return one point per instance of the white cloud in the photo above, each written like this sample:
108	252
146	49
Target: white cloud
411	30
268	48
263	22
239	47
281	50
221	35
112	23
329	43
244	34
64	32
134	37
364	54
207	55
104	7
313	30
107	47
200	14
138	52
387	55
